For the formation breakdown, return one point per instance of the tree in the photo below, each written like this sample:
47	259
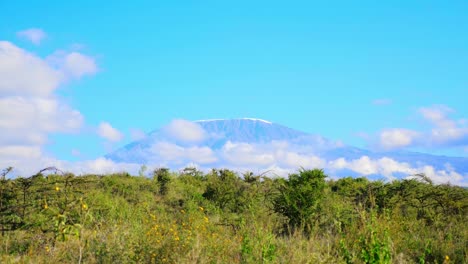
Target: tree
300	197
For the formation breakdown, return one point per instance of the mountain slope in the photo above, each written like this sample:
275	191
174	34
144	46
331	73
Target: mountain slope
240	143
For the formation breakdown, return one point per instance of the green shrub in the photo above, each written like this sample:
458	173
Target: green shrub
300	197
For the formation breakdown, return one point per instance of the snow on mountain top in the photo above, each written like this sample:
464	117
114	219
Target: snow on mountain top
245	118
257	119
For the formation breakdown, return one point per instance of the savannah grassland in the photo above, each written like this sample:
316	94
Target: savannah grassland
225	217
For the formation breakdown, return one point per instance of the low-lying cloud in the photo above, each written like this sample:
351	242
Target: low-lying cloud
444	132
281	158
244	157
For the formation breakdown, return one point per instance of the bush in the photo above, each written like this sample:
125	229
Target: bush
220	217
300	197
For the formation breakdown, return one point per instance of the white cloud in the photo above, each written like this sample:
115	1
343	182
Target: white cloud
13	152
30	110
24	74
296	160
72	65
27	75
35	35
185	131
38	160
276	161
436	114
363	165
397	138
100	166
172	153
389	168
30	120
246	154
78	65
106	131
443	176
282	158
446	131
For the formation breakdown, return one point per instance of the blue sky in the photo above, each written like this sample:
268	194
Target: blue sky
345	71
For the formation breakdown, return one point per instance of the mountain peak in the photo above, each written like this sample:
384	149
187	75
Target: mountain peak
259	144
244	118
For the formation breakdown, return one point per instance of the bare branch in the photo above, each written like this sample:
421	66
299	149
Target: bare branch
5	172
53	169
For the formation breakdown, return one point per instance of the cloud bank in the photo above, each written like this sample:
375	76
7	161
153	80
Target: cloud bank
444	132
277	157
30	109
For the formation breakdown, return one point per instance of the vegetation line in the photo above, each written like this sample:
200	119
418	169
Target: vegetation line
225	217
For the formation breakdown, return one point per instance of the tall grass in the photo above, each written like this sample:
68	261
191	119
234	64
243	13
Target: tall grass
223	217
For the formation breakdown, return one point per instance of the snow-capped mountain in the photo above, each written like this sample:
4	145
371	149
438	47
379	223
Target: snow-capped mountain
256	144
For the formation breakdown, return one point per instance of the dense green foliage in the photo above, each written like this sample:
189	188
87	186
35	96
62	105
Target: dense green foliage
224	217
300	198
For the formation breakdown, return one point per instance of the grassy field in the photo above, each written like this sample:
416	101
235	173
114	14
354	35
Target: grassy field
225	217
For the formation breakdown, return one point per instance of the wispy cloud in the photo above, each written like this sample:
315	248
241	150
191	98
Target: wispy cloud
185	131
446	131
34	35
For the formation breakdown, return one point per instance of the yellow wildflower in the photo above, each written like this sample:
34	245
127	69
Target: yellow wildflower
57	188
